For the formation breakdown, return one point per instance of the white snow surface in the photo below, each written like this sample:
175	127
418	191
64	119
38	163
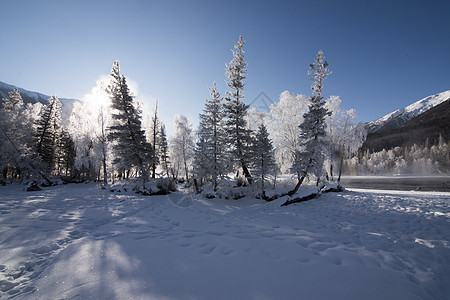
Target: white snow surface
411	111
82	242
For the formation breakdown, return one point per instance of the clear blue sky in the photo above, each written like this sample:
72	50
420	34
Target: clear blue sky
384	54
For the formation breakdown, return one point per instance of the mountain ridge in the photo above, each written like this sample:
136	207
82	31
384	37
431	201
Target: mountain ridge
34	97
400	116
426	127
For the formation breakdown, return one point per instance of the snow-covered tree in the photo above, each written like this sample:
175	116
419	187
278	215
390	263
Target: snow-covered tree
163	151
153	134
182	146
15	137
65	154
18	157
102	142
239	137
210	160
14	101
48	132
284	118
263	163
88	125
346	137
129	143
255	119
310	159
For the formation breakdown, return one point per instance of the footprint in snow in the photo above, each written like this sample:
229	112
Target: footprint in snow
46	249
208	250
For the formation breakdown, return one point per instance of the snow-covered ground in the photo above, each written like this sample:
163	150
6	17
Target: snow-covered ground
81	242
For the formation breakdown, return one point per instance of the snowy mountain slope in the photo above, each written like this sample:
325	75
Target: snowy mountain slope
33	97
401	116
427	127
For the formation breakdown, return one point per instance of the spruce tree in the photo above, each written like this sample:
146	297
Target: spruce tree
163	147
47	132
14	102
311	157
239	137
130	147
210	157
66	153
263	156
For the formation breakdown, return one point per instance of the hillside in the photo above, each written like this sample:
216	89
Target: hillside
428	125
33	97
401	116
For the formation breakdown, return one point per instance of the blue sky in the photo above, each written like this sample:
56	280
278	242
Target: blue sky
384	55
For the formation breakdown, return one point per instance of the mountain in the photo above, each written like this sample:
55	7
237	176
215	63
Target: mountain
33	97
401	116
422	121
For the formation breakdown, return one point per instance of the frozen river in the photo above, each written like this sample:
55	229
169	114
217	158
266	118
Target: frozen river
403	183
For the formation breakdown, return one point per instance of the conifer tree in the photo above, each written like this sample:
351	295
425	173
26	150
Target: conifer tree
263	156
66	153
311	158
129	143
210	156
163	147
14	102
239	137
47	132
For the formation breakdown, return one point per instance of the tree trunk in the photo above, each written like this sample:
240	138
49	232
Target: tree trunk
247	174
340	169
197	190
105	174
299	183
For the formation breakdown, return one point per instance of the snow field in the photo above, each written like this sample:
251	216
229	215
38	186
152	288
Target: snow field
81	242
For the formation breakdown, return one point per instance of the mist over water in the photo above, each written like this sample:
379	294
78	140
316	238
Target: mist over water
401	182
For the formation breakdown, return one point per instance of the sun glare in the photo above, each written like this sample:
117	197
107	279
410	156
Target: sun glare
98	97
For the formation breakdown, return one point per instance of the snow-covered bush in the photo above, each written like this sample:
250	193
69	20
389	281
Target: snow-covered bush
166	185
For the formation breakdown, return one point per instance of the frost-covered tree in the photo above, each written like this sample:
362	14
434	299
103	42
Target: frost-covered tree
102	142
65	154
14	135
48	132
346	138
182	146
239	137
153	134
210	160
263	163
129	143
9	121
88	125
14	101
314	142
18	157
284	118
255	118
163	151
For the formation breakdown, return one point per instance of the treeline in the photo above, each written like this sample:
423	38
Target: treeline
107	141
423	159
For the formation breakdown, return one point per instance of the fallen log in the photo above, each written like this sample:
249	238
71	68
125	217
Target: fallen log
313	195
